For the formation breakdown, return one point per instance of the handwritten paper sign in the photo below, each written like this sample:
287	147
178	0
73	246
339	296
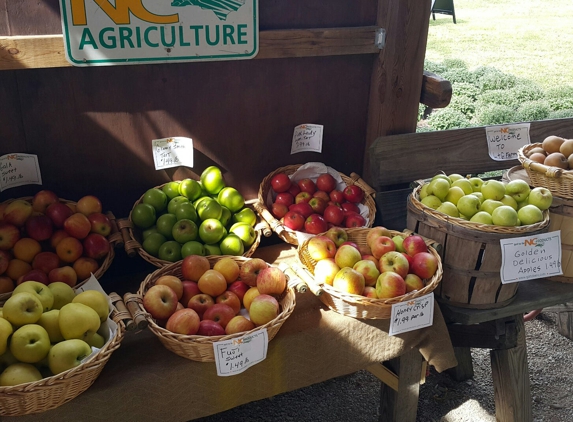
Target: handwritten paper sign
237	355
412	314
529	257
307	138
503	141
172	152
19	170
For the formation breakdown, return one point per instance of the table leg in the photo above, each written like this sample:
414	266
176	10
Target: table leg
464	370
402	405
510	373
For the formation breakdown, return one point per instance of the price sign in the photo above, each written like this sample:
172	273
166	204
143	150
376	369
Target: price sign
503	141
307	138
18	170
237	355
172	152
412	315
529	257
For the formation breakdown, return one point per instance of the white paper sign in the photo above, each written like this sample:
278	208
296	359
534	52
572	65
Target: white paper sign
503	141
18	170
307	138
529	257
412	315
172	152
236	355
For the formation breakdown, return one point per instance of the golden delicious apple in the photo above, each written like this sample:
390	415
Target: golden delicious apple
68	354
19	373
78	321
95	300
5	331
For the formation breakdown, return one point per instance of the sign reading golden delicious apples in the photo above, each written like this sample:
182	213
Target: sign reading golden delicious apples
106	32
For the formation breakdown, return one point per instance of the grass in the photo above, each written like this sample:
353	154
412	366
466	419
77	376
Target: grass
530	39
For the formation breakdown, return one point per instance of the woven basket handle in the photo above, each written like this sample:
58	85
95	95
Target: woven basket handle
132	302
131	246
272	222
293	279
121	315
305	276
553	172
365	186
115	237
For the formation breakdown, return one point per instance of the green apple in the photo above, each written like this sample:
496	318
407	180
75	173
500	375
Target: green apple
209	208
454	194
530	214
231	198
184	231
508	200
171	189
424	191
170	251
63	293
518	189
165	225
493	189
192	248
95	300
212	180
232	245
504	216
211	231
541	198
449	209
186	211
19	373
143	216
465	185
152	244
212	249
39	289
145	233
78	321
439	187
50	321
201	199
30	343
432	201
97	341
476	183
246	215
489	205
156	198
246	233
190	189
398	241
482	217
172	204
67	355
226	215
22	308
6	331
440	176
479	195
468	205
455	176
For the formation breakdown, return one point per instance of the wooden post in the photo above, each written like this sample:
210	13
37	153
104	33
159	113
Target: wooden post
464	370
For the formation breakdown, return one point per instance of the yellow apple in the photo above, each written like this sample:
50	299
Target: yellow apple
63	294
78	321
19	373
97	341
67	355
30	343
22	308
50	321
5	331
40	290
95	300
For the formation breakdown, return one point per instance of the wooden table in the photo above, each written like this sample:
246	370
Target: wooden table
502	330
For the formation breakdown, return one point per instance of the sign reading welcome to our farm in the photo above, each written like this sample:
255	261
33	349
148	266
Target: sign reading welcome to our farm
113	32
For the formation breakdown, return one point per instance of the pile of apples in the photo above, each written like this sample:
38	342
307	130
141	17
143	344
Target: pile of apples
312	206
191	217
47	240
490	202
46	330
225	299
387	266
554	151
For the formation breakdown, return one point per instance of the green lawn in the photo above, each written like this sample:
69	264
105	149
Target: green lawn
531	39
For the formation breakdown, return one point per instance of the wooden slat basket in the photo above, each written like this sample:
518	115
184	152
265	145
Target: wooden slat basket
133	239
362	307
290	236
200	348
471	255
558	181
52	392
114	238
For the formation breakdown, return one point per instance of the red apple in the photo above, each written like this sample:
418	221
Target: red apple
410	260
160	301
337	234
347	256
69	249
353	193
6	283
390	285
43	199
190	289
34	275
173	282
100	223
279	210
284	198
85	267
17	212
315	224
375	232
293	220
351	243
294	190
5	258
271	281
194	266
210	328
200	303
184	321
414	244
77	225
381	245
337	196
212	283
326	182
239	287
89	204
413	282
46	261
321	247
58	213
354	220
302	208
370	292
57	236
349	280
39	227
318	205
302	197
280	182
220	313
371	258
239	324
325	270
250	271
369	271
65	274
394	261
230	299
9	235
322	195
96	246
263	309
307	185
333	214
349	207
424	265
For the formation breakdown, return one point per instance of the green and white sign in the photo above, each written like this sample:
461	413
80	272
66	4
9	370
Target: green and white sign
114	32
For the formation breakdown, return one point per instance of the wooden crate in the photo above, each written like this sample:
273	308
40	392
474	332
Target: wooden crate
561	218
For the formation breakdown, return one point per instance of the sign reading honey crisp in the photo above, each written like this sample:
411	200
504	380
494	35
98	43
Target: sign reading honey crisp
115	32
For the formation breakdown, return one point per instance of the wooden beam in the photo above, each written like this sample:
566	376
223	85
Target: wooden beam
44	51
436	91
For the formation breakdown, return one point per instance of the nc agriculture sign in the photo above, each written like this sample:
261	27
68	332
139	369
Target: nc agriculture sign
112	32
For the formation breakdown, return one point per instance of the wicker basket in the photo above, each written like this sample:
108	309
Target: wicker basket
133	238
357	306
113	238
52	392
558	181
200	348
290	236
